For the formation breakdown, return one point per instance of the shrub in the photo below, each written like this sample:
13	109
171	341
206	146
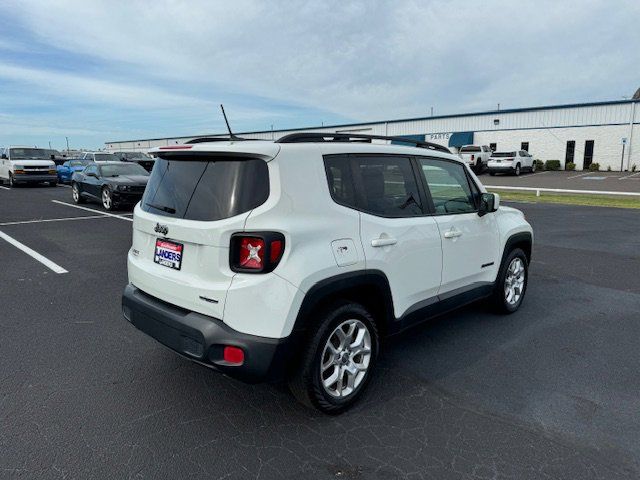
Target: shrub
570	166
608	168
539	164
633	167
552	165
594	167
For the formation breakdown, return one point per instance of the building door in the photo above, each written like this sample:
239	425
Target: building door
588	154
493	146
524	146
571	150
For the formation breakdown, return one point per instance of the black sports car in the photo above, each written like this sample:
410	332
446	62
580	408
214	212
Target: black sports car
110	183
140	158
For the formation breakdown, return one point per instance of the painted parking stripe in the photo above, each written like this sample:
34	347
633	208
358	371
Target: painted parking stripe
531	175
581	175
52	220
629	176
4	188
33	254
121	217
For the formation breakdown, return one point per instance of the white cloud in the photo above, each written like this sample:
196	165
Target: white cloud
361	59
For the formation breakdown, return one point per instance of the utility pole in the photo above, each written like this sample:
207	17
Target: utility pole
49	145
498	106
67	139
432	111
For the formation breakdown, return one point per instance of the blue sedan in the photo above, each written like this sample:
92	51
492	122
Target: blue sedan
66	170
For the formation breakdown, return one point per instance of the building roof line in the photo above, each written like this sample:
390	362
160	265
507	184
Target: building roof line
397	120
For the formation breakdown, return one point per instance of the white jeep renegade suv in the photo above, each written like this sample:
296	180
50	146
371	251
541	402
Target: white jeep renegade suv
292	259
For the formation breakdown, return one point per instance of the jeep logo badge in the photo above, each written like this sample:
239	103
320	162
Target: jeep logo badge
163	229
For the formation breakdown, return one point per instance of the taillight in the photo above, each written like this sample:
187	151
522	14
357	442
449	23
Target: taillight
472	157
256	252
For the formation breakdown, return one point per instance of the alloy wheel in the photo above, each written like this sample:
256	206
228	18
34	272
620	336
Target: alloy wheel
75	192
514	281
106	199
345	359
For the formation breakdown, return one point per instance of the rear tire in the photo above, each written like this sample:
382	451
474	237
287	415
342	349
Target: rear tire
533	167
493	174
511	284
53	184
516	172
339	359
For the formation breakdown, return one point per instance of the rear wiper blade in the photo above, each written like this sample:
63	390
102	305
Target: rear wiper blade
161	207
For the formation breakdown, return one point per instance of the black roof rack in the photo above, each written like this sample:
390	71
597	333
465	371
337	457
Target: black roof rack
214	139
317	137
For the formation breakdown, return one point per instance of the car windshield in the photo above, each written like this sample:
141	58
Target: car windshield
123	169
106	157
79	163
504	154
30	154
135	156
470	149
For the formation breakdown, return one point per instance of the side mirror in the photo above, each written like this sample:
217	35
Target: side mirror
489	202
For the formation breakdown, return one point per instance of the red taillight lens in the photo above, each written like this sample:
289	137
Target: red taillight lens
251	253
256	252
233	355
276	251
472	157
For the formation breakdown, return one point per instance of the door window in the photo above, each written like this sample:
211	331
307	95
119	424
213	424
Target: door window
388	186
449	186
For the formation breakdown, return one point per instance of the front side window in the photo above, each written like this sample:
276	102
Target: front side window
388	186
449	186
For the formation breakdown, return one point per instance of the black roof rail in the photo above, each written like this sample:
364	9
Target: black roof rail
214	139
317	137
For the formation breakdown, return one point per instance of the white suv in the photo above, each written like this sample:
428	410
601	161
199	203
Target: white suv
511	162
292	259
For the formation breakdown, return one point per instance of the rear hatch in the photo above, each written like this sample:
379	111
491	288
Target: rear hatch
193	203
470	154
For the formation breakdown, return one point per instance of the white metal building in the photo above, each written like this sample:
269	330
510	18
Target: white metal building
606	133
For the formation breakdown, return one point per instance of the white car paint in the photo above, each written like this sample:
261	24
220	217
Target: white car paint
416	254
509	160
476	156
9	164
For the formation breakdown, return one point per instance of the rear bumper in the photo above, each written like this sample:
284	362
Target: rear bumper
202	339
501	168
29	178
126	197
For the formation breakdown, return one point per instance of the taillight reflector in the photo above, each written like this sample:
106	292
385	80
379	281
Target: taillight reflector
233	355
276	251
252	253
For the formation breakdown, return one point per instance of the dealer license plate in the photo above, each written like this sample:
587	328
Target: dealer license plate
168	254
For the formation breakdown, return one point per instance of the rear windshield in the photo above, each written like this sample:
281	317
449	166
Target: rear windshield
503	154
206	190
470	149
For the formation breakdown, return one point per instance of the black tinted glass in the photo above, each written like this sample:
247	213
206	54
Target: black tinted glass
340	180
389	186
206	190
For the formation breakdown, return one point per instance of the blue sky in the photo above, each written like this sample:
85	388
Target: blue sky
104	70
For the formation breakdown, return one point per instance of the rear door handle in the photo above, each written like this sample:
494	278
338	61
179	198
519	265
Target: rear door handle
453	233
383	241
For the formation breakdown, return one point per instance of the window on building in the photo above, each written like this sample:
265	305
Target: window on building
493	146
571	150
524	146
588	154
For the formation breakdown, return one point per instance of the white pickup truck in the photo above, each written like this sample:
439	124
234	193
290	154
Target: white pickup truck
476	156
27	165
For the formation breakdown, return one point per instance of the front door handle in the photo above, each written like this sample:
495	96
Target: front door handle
383	241
453	233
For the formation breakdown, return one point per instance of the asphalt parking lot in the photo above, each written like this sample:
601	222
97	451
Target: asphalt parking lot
549	392
599	181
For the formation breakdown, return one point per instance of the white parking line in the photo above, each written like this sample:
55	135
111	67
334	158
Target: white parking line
581	175
52	220
121	217
629	176
4	188
33	254
531	175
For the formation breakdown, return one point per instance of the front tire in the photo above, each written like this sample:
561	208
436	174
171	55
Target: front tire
339	360
533	167
12	183
77	195
493	174
511	284
517	170
107	199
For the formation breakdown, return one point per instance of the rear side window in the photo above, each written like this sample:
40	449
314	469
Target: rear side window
206	189
340	180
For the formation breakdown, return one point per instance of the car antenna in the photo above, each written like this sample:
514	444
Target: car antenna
231	135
